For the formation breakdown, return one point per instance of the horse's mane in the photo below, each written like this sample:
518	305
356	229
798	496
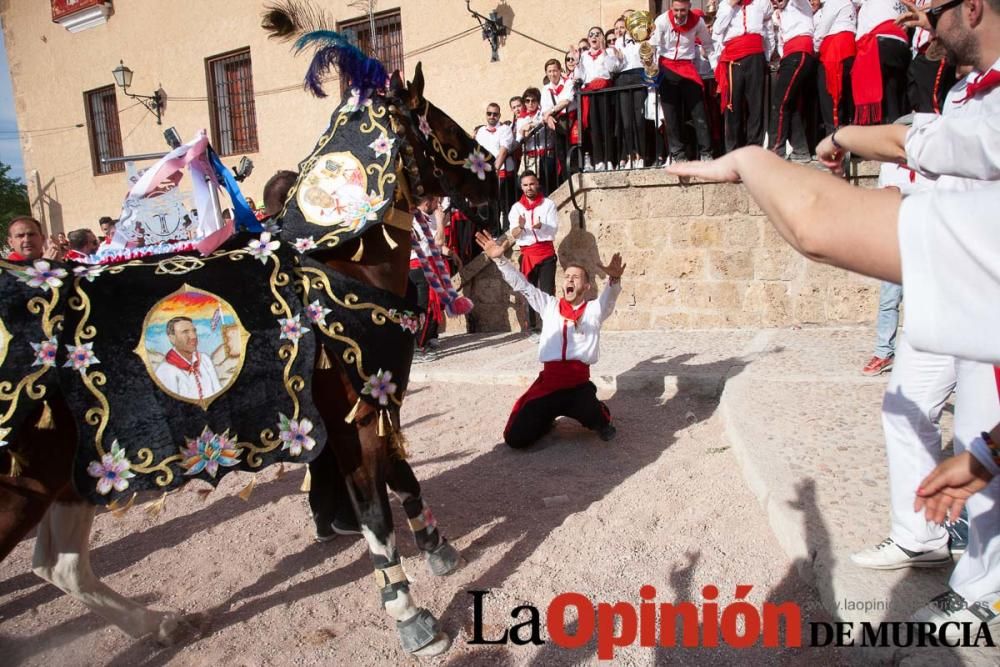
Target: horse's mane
310	26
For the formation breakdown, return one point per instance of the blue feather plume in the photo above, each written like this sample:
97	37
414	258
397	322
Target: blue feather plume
333	49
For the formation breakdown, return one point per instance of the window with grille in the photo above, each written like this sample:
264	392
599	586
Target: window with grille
388	43
104	128
230	97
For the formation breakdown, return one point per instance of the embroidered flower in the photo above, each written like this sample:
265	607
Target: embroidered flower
45	352
317	312
89	273
364	210
382	145
41	275
425	127
263	247
292	329
308	243
294	435
81	357
209	451
477	164
410	322
112	471
380	387
355	102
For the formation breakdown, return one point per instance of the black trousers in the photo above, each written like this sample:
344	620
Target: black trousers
787	100
535	418
542	276
418	293
507	195
894	56
745	120
600	127
683	101
631	128
928	82
845	109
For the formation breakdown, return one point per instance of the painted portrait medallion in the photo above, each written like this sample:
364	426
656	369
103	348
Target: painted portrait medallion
334	193
193	345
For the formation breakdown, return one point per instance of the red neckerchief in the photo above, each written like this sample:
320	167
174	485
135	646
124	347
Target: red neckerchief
180	362
490	129
17	257
75	255
594	56
555	89
525	114
529	204
570	313
692	21
984	83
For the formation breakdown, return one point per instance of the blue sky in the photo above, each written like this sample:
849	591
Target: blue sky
10	145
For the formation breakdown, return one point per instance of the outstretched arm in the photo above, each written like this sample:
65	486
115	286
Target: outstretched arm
822	217
609	295
535	297
885	143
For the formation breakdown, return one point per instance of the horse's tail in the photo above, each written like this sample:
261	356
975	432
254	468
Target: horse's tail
287	19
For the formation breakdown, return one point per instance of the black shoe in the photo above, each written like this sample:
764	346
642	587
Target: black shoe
607	432
324	529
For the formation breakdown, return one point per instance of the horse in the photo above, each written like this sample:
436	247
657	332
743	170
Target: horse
359	452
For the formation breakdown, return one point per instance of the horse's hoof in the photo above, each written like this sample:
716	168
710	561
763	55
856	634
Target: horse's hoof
421	636
178	629
443	560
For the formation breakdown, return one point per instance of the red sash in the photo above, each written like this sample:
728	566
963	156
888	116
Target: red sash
596	84
866	75
555	375
800	44
536	253
833	50
682	68
735	49
433	300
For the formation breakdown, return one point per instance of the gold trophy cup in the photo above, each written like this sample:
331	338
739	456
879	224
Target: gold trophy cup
640	26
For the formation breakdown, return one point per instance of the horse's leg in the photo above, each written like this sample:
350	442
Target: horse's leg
442	558
62	558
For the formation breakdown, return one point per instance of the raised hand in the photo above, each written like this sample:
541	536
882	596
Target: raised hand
521	220
615	267
913	17
489	246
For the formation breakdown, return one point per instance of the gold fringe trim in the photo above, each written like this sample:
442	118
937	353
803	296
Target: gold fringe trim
306	483
381	423
203	494
353	413
119	511
45	422
17	463
248	489
388	239
361	251
323	362
156	508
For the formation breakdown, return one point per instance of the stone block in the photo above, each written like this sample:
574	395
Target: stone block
753	208
730	264
696	232
741	231
725	198
809	304
817	272
628	319
853	302
772	239
671	320
655	294
777	263
490	290
711	296
673	201
651	233
770	301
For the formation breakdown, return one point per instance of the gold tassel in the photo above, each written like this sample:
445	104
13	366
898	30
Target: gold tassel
399	444
203	494
119	511
306	483
381	423
388	239
281	471
155	508
353	413
323	363
17	463
45	422
248	489
360	252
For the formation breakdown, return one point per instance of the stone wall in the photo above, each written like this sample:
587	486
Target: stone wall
699	256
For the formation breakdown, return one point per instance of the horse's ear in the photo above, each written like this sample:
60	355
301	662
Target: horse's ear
396	85
417	85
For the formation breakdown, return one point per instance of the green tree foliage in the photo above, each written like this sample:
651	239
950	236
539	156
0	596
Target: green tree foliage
13	199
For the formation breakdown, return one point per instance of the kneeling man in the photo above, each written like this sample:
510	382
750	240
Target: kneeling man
569	345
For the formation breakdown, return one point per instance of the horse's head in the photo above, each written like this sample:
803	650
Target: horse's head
440	158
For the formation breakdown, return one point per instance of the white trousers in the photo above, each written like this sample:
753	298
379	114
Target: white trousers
918	388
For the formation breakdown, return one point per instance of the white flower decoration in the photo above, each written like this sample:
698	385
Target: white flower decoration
425	127
112	471
380	387
355	102
88	273
263	247
292	329
45	352
366	209
294	435
477	164
41	275
81	357
383	145
308	243
317	312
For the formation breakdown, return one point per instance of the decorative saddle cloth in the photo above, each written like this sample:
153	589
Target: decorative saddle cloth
348	182
188	367
32	295
368	330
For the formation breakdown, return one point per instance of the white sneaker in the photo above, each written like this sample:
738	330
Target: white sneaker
888	555
950	607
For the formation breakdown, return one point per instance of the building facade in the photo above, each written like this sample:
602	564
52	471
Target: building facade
214	68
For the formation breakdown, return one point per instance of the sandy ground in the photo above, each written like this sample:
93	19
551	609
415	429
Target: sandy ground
663	504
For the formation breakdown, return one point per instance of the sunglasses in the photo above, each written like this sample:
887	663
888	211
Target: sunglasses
595	34
490	114
934	13
571	60
530	100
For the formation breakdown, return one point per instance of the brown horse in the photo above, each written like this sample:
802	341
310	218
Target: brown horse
38	490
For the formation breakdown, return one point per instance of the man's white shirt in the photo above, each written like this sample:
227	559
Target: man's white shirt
675	45
501	137
186	383
545	213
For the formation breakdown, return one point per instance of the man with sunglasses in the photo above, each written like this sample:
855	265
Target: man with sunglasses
960	150
498	139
